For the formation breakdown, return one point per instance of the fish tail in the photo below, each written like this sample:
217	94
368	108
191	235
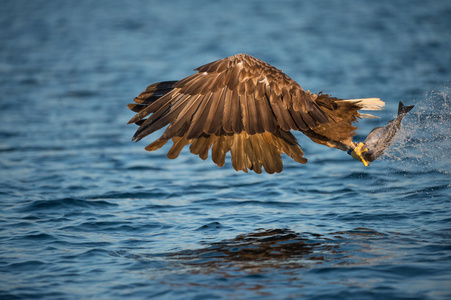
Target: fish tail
402	109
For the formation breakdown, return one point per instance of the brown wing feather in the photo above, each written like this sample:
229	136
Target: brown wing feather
196	128
221	146
177	145
215	115
155	91
242	105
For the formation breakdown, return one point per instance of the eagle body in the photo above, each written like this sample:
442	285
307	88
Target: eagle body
244	106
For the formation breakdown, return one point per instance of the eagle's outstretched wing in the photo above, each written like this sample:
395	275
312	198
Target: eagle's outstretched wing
246	106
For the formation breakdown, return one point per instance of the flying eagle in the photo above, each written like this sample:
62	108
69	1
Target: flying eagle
243	105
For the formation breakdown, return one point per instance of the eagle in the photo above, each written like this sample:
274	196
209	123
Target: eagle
245	106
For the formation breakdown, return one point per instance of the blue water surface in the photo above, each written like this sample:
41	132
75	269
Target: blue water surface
87	214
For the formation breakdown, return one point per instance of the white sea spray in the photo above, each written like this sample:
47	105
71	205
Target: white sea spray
424	139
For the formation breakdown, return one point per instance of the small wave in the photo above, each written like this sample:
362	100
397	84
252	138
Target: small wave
65	203
212	226
39	236
151	194
360	231
26	265
34	236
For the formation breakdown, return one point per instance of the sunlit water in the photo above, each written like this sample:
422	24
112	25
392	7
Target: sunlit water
87	214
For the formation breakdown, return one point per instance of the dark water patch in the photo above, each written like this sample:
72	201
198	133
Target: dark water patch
357	215
6	134
81	94
31	217
233	202
64	203
362	232
152	194
79	242
328	190
360	175
34	236
160	207
26	265
254	257
212	226
136	243
270	248
146	264
28	294
143	168
113	226
411	270
83	214
33	149
100	226
92	253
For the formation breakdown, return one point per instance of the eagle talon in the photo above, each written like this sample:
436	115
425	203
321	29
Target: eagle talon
357	153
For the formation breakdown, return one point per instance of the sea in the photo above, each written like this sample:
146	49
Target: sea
85	213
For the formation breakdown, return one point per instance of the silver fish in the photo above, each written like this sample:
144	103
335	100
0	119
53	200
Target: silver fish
379	139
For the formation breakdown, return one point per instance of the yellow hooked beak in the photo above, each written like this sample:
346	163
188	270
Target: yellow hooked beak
357	153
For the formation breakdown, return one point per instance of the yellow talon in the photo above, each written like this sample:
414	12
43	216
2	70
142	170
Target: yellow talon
357	153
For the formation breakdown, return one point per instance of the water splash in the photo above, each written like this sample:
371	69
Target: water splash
424	139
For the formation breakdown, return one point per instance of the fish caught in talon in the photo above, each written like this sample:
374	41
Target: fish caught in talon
379	139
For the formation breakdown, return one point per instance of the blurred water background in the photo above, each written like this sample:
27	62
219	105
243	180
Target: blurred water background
87	214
